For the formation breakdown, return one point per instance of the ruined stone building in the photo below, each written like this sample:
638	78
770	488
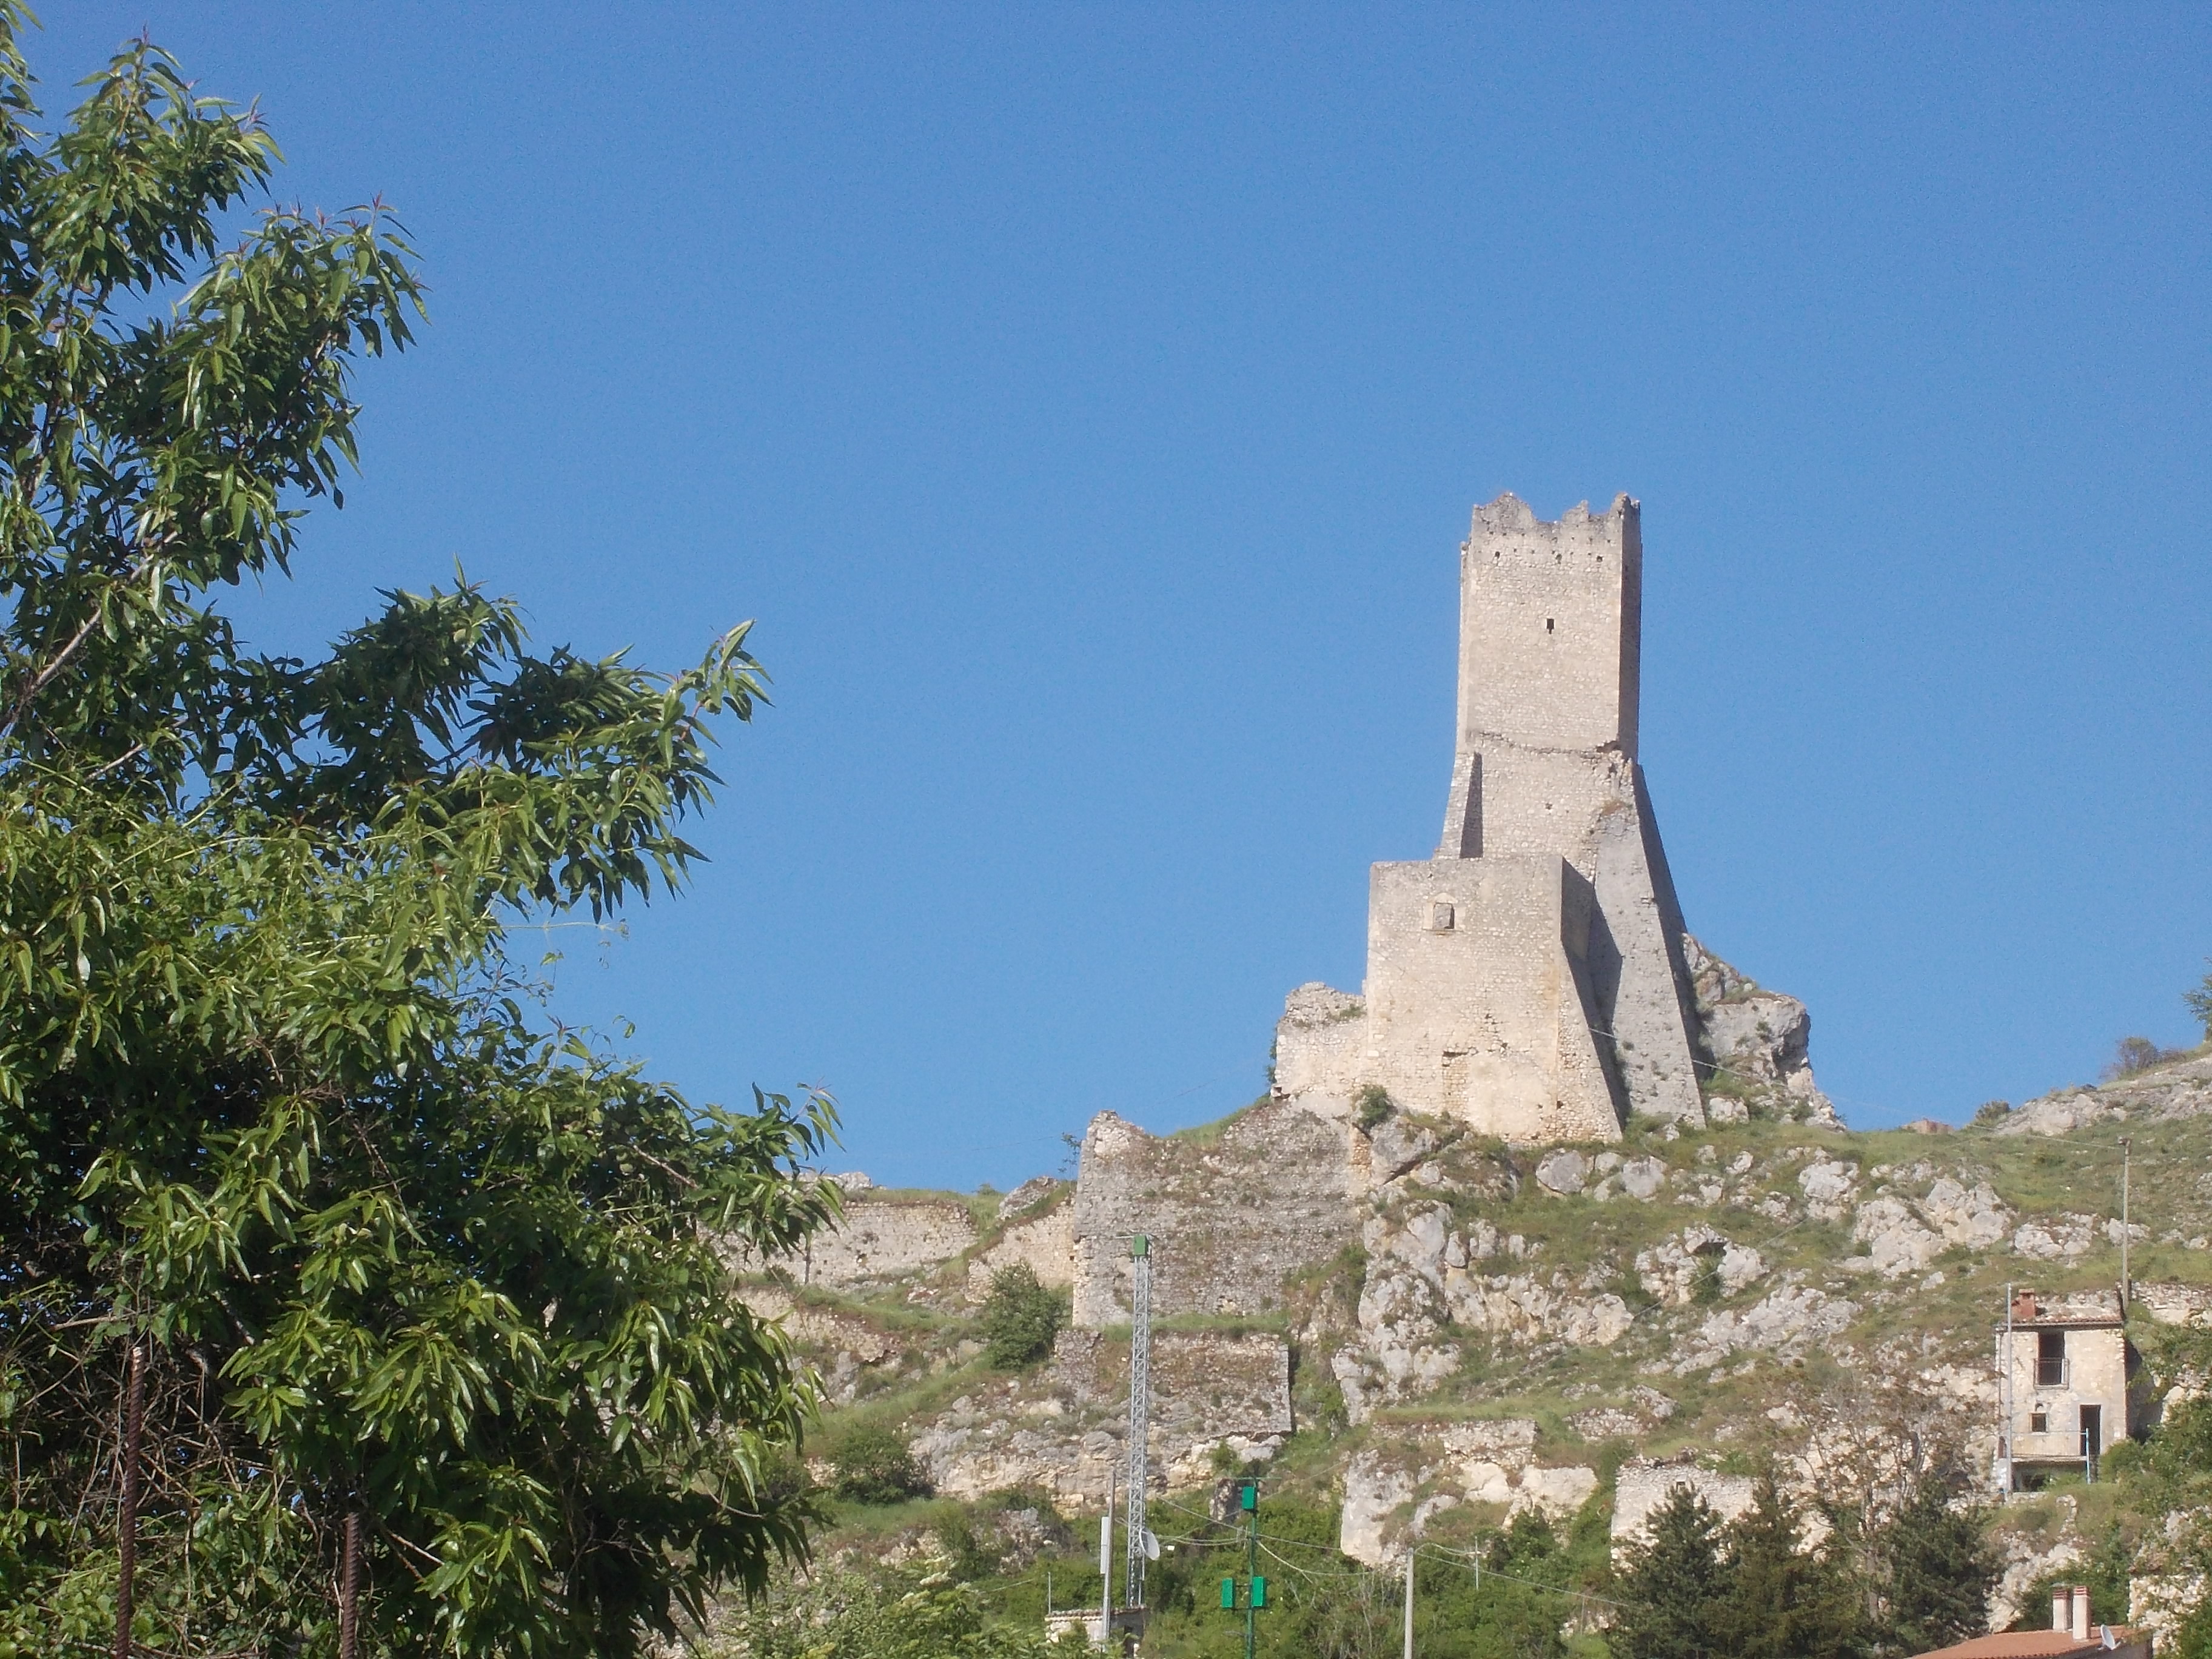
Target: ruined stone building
1531	979
2062	1367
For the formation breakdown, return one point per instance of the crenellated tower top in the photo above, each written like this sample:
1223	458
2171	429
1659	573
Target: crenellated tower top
1550	628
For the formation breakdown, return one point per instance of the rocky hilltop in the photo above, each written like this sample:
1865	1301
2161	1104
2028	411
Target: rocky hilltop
1431	1331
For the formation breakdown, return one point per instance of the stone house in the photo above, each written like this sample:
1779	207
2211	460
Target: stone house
2063	1365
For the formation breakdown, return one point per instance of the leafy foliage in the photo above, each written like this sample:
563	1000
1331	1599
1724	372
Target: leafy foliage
2165	1489
853	1615
2200	1002
1518	1608
1918	1579
1375	1105
1514	1599
2104	1570
871	1464
272	1103
1021	1318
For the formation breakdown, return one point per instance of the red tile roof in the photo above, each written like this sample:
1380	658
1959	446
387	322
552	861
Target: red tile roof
2036	1644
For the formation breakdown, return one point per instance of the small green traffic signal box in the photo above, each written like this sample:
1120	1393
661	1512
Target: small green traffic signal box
1228	1593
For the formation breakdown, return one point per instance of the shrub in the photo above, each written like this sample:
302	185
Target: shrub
870	1464
970	1554
1020	1318
1375	1104
2131	1054
1991	1112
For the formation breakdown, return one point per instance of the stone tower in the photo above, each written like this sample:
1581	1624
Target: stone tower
1529	979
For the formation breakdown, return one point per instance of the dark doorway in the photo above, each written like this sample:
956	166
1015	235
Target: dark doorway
2092	1436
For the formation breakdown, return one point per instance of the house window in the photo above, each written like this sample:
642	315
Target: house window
2051	1359
2038	1422
1441	916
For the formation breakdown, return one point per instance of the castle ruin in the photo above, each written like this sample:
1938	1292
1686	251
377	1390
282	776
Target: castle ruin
1532	980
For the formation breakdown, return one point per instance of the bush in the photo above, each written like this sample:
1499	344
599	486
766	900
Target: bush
1020	1319
970	1555
1991	1112
1375	1104
871	1464
2132	1055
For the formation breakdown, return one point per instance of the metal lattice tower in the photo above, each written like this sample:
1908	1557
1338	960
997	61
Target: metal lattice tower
1141	1408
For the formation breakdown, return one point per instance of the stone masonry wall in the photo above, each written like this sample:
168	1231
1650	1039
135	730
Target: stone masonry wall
1228	1220
1044	1243
881	1238
1550	620
1478	1002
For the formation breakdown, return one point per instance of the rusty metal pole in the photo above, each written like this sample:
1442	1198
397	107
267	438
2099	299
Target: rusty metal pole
350	1588
127	1526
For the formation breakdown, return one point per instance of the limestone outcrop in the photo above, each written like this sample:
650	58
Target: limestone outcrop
1393	1490
1644	1486
2179	1089
1756	1044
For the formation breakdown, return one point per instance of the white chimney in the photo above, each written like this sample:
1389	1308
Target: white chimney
2081	1612
2062	1607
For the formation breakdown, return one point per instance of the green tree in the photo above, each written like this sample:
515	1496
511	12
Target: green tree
1932	1570
1675	1586
1518	1608
2200	1002
1020	1318
1782	1601
407	1277
869	1463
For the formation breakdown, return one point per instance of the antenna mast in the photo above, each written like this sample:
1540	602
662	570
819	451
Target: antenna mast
1140	1411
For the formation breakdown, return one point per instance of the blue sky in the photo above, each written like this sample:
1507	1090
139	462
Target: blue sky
1088	402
